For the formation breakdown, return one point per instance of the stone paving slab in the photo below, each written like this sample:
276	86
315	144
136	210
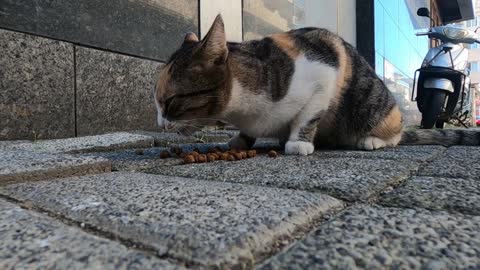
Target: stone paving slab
402	152
5	145
164	139
18	166
106	142
33	241
218	225
132	160
458	162
350	179
436	193
372	237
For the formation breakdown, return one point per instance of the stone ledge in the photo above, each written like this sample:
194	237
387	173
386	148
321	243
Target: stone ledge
20	166
105	142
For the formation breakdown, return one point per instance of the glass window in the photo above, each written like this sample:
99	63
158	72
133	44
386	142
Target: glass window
265	17
398	51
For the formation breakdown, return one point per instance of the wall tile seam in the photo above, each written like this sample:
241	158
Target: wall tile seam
84	45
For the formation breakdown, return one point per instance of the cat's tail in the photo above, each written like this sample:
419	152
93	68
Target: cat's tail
444	137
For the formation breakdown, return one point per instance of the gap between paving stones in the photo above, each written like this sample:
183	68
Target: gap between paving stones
372	237
201	171
280	244
93	230
284	243
33	240
304	228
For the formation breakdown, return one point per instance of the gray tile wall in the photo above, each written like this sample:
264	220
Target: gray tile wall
36	87
40	85
114	92
147	28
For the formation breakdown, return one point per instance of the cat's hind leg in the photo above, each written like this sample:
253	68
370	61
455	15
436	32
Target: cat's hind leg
241	141
387	133
373	143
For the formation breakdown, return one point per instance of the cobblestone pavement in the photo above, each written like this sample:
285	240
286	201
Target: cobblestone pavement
111	202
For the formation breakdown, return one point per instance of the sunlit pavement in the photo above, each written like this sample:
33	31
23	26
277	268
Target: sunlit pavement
101	202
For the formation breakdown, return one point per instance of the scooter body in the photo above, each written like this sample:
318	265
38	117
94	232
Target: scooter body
443	83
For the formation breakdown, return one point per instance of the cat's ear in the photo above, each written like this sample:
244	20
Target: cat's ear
190	38
214	45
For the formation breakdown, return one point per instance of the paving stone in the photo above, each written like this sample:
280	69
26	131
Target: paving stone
223	132
372	237
106	142
458	162
402	152
350	179
5	145
163	139
137	159
436	193
149	159
33	241
19	165
219	225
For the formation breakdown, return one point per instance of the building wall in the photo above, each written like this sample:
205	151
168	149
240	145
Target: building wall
264	17
398	52
72	68
231	11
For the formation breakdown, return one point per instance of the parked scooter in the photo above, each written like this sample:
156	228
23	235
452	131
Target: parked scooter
442	83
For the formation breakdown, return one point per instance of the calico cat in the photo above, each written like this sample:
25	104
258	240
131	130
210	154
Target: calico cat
307	87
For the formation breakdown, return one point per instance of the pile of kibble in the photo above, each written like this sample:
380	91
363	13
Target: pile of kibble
213	154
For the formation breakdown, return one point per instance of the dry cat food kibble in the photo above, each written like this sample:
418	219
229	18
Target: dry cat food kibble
201	158
176	150
216	153
224	156
165	154
212	157
189	159
272	153
238	156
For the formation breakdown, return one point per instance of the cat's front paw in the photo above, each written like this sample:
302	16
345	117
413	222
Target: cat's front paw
299	148
239	142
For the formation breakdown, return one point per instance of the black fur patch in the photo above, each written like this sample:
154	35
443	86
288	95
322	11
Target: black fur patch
264	67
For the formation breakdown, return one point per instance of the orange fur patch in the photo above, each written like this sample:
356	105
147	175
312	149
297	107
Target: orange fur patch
163	79
345	66
287	44
390	126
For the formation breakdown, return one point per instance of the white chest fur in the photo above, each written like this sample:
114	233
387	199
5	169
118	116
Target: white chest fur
311	90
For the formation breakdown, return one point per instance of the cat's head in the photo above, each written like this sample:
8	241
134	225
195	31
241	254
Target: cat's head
193	84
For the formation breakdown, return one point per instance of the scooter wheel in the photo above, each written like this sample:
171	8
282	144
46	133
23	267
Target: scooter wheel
433	106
